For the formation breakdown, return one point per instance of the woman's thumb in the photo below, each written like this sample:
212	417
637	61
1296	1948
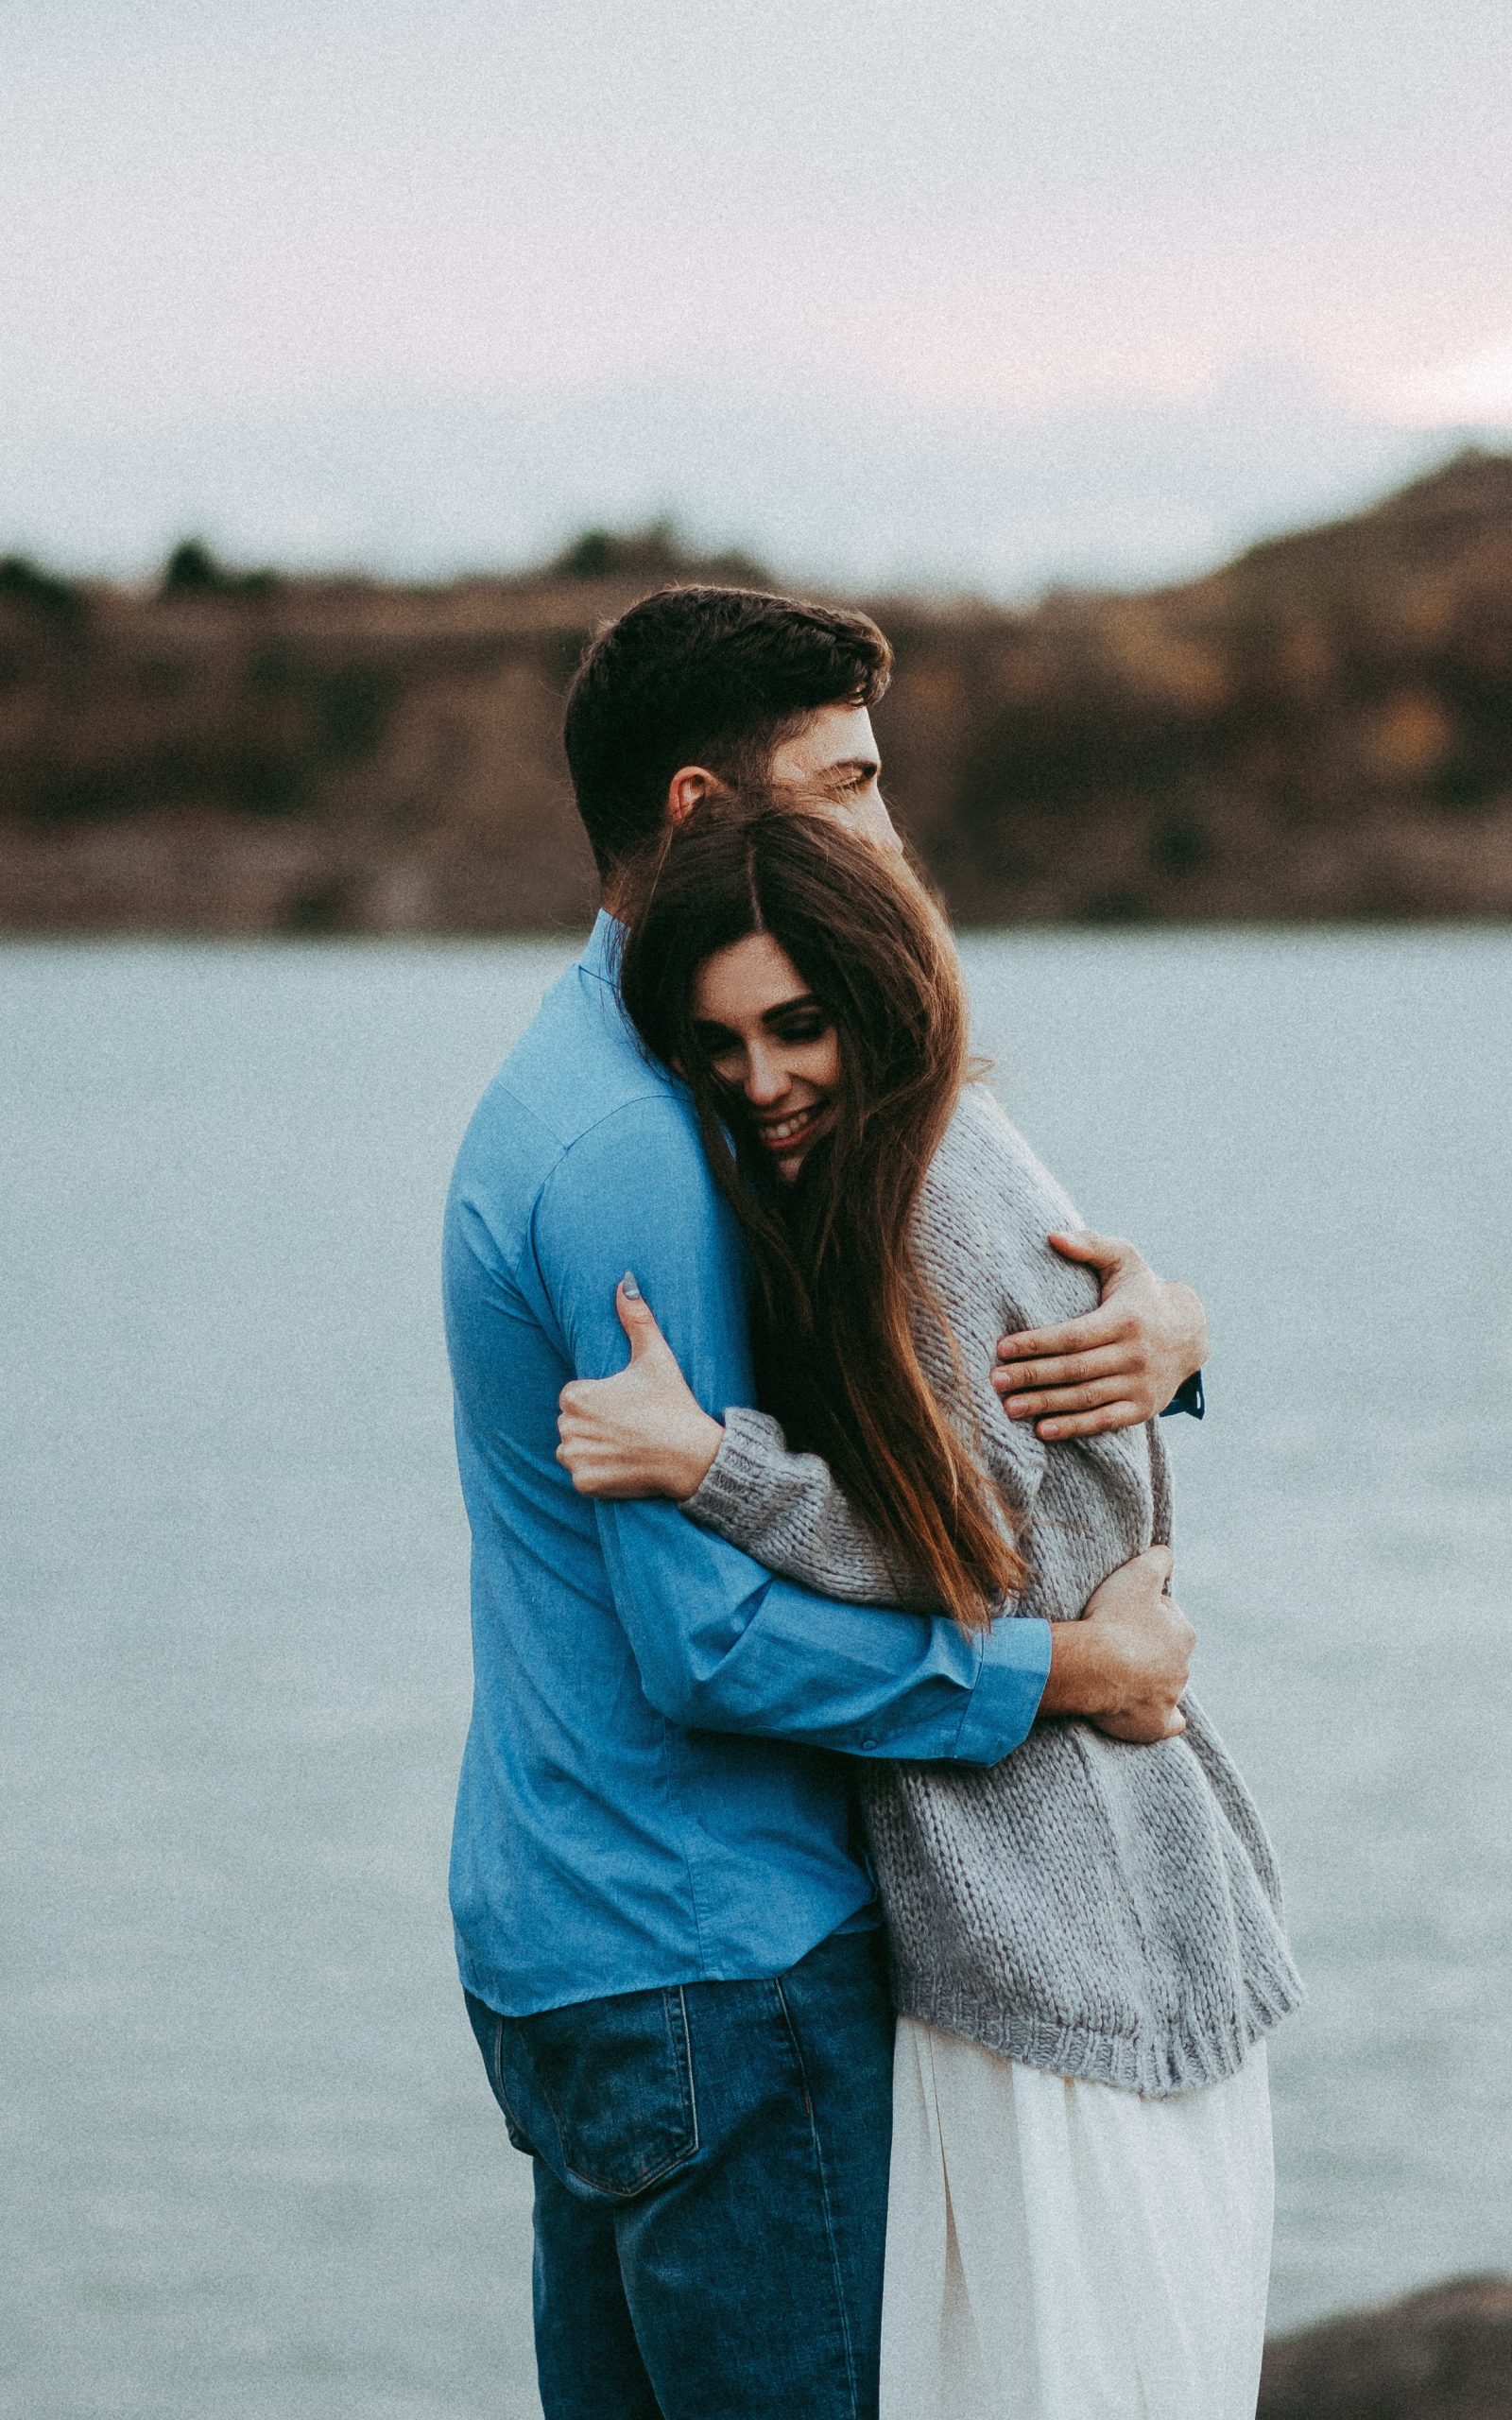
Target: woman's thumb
636	1315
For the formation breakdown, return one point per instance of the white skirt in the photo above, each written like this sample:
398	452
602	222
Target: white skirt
1062	2251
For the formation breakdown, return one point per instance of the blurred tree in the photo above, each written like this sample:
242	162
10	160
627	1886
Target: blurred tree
42	591
192	570
658	552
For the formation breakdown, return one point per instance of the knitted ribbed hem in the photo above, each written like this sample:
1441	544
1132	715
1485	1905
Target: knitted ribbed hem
742	1466
1155	2065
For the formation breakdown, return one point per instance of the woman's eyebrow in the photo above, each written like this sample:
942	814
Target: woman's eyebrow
787	1007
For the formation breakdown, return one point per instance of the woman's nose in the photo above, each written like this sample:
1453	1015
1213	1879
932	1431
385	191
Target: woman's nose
766	1078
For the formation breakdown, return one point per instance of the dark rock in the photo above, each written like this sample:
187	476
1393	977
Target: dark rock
1442	2354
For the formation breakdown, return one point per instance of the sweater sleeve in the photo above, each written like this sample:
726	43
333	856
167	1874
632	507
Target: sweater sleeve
790	1512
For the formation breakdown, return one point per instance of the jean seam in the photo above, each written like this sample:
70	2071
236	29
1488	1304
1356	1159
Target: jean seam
824	2193
498	2059
689	2079
499	2093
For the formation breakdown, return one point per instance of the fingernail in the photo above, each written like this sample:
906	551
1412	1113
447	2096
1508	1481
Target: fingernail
629	1286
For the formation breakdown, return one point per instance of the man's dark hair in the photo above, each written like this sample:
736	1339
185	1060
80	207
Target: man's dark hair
703	676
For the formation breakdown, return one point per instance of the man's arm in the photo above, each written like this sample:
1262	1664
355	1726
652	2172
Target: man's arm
1139	1354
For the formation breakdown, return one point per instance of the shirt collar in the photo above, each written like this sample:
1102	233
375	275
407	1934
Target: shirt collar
601	953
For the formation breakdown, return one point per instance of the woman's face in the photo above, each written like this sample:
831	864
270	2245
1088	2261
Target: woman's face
766	1036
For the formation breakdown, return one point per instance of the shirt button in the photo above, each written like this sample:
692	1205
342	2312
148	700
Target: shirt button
870	1744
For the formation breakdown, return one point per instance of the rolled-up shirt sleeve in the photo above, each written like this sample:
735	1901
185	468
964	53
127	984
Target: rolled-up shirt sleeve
720	1643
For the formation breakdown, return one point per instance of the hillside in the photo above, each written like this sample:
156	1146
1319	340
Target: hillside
1321	729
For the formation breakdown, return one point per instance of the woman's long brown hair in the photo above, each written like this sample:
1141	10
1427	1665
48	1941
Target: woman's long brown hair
838	1287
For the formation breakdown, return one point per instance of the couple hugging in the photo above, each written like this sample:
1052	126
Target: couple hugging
867	1936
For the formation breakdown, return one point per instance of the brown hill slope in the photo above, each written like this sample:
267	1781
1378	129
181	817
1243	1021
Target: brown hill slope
1323	728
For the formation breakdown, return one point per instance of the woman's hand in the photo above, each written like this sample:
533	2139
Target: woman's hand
641	1432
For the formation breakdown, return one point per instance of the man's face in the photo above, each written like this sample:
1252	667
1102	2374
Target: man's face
833	756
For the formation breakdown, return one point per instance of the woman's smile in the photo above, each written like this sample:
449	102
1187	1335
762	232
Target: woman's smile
783	1134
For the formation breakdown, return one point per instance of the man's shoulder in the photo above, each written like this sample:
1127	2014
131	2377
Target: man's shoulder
575	1097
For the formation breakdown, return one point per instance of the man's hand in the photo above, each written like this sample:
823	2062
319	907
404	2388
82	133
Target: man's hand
1125	1665
1114	1367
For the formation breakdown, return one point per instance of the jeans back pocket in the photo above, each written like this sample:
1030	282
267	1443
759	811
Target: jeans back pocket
612	2081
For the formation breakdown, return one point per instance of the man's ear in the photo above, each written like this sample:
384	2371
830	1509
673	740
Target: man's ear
687	788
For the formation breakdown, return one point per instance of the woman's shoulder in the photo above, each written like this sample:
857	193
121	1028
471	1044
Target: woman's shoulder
988	1208
983	1157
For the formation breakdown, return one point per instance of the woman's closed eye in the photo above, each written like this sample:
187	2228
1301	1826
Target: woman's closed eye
799	1025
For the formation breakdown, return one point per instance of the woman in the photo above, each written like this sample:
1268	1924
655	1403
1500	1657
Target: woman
1087	1938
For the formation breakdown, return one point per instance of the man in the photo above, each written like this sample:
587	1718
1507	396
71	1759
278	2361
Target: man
666	1931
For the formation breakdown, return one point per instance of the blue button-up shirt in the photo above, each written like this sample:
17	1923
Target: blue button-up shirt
648	1793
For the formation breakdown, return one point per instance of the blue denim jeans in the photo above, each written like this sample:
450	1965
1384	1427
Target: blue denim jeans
711	2168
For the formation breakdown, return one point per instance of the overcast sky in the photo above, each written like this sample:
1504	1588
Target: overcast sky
971	294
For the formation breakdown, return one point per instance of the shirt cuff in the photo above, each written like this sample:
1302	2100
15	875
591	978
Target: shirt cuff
1010	1685
1188	1398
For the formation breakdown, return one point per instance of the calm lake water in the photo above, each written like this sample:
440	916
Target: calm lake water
250	2163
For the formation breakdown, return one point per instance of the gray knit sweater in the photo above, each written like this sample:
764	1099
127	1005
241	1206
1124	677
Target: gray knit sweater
1086	1905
